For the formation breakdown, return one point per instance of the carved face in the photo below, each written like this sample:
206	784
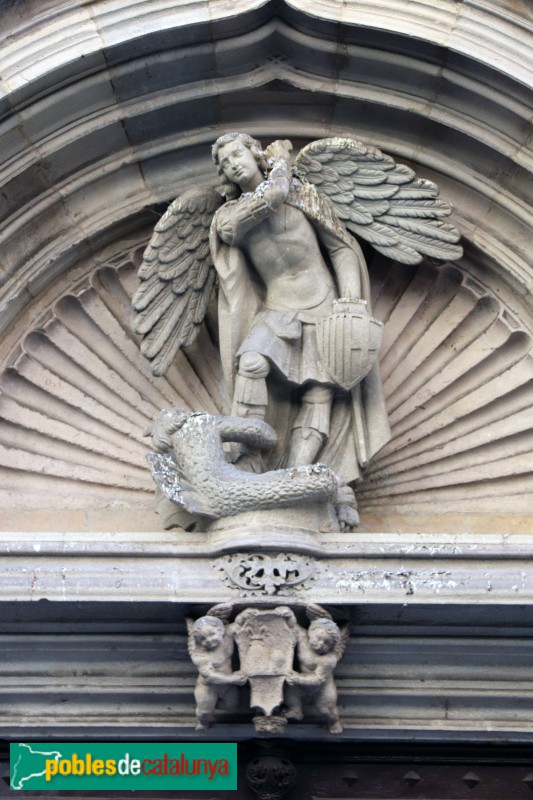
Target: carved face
209	640
209	636
321	640
239	166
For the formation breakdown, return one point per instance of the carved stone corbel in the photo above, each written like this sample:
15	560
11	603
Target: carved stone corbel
284	663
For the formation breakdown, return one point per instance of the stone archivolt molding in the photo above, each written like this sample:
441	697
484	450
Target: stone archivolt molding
33	47
124	110
76	396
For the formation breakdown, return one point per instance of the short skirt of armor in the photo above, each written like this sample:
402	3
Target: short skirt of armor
289	343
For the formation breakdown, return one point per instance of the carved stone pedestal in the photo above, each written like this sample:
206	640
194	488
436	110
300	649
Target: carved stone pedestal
297	529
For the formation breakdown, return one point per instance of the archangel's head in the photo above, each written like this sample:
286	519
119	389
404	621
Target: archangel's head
323	635
231	154
253	145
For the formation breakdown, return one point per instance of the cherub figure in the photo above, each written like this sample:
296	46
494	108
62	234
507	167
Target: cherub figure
211	646
319	649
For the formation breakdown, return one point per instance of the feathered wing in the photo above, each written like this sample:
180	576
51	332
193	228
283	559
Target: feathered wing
343	641
221	610
177	277
314	611
191	644
381	201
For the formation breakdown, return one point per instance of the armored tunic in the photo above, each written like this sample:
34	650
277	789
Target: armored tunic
252	318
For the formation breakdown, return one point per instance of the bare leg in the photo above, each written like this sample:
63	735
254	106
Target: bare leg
206	700
327	707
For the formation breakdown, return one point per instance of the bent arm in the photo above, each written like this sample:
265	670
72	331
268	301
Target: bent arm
213	673
235	220
214	678
348	264
316	678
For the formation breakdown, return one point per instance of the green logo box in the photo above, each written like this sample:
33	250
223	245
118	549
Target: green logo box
63	766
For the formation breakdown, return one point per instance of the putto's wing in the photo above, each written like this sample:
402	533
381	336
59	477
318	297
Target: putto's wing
315	611
177	277
381	201
343	641
191	644
221	610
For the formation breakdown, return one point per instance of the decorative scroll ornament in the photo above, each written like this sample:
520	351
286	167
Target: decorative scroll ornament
269	575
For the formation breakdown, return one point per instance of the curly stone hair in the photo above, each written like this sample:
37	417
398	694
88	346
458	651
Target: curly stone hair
330	627
205	624
254	146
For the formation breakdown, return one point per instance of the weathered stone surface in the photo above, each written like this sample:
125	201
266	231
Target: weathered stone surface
191	467
456	368
460	116
473	123
442	86
283	260
440	638
372	568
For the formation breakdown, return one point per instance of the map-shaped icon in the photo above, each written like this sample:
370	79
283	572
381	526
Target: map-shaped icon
28	762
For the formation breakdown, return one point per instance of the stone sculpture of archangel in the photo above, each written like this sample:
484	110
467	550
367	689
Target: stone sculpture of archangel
297	339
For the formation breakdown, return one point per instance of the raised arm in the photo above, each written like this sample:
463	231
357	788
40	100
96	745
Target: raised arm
234	220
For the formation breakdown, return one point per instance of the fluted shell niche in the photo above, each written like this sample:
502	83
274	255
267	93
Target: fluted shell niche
76	398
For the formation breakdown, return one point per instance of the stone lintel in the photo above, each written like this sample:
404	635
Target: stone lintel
354	569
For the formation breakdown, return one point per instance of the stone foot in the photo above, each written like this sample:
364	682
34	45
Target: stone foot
346	509
335	727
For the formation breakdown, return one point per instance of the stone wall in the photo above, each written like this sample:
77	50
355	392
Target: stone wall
107	111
